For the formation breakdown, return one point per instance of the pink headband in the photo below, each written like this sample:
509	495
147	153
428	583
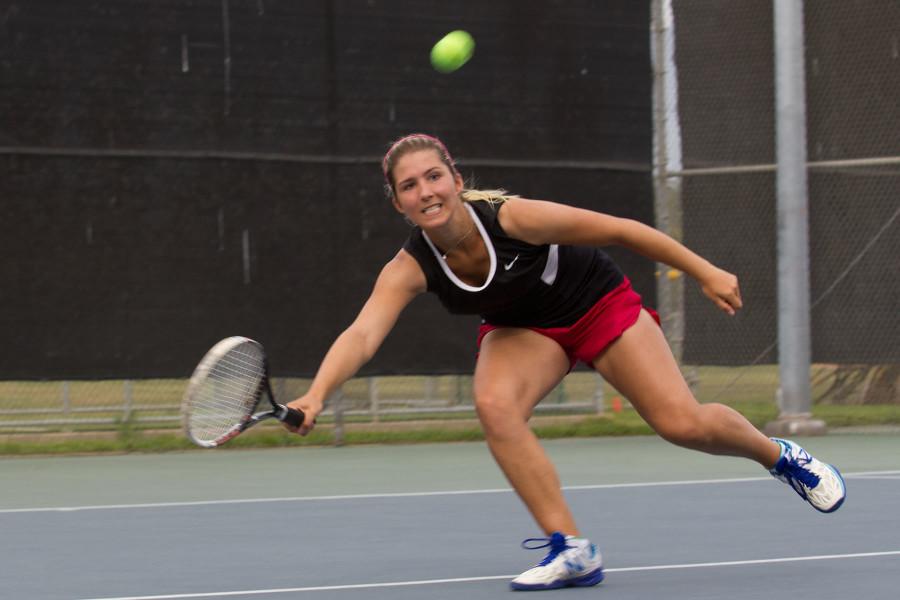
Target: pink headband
430	138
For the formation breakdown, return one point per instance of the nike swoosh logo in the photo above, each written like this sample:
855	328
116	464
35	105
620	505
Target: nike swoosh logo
508	266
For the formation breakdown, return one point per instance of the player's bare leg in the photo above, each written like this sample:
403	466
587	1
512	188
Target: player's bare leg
516	369
640	365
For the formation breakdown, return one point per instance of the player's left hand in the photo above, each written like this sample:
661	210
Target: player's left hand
722	288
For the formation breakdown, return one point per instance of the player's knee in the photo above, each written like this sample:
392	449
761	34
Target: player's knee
492	407
687	429
498	413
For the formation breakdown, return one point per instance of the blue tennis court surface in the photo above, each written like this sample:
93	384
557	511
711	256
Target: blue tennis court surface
438	521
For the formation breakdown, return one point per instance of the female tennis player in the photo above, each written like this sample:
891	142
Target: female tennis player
548	298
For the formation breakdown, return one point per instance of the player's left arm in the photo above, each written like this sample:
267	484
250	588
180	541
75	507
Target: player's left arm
542	222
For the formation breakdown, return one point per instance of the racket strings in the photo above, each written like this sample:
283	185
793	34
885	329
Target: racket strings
228	393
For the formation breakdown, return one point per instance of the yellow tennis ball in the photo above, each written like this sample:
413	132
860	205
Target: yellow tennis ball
452	51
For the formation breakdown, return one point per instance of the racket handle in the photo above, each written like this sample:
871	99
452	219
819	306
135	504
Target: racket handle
291	416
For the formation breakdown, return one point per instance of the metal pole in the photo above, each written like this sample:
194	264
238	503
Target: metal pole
667	158
373	397
794	346
128	399
337	406
599	400
66	405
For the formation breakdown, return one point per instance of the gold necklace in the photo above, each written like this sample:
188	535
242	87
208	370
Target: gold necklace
458	242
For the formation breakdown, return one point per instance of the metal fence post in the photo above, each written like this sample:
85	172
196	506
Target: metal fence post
372	384
337	407
599	403
794	345
128	399
430	387
666	159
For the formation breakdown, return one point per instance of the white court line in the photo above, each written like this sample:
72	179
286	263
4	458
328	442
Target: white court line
881	476
605	486
358	586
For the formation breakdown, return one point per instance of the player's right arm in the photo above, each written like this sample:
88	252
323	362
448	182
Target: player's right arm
399	282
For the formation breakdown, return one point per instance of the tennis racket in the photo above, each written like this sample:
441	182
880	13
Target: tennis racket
224	395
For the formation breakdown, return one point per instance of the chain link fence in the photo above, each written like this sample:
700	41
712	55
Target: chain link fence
174	173
43	406
715	182
715	171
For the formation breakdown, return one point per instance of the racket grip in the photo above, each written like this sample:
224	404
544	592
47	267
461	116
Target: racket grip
292	416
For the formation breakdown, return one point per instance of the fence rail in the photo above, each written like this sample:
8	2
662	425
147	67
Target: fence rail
113	403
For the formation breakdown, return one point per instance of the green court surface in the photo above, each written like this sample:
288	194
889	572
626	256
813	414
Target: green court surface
438	520
204	474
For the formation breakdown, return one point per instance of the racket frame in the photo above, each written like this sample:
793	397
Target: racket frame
209	361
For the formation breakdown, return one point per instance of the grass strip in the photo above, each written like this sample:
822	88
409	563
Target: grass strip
130	439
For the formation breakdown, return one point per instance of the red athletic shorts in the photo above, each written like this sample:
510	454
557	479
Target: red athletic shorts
598	328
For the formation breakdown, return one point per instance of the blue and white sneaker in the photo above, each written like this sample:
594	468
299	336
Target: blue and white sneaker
571	562
818	483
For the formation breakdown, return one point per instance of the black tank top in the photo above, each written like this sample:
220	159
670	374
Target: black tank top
527	285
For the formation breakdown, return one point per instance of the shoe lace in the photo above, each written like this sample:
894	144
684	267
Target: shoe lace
796	470
556	543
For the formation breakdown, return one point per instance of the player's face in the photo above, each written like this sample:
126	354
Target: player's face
425	189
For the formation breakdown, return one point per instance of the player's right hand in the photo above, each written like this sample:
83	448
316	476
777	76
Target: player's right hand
311	408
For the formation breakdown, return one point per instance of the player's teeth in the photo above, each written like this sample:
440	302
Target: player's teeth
432	209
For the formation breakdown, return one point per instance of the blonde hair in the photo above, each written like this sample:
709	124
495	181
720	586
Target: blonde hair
422	141
497	196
